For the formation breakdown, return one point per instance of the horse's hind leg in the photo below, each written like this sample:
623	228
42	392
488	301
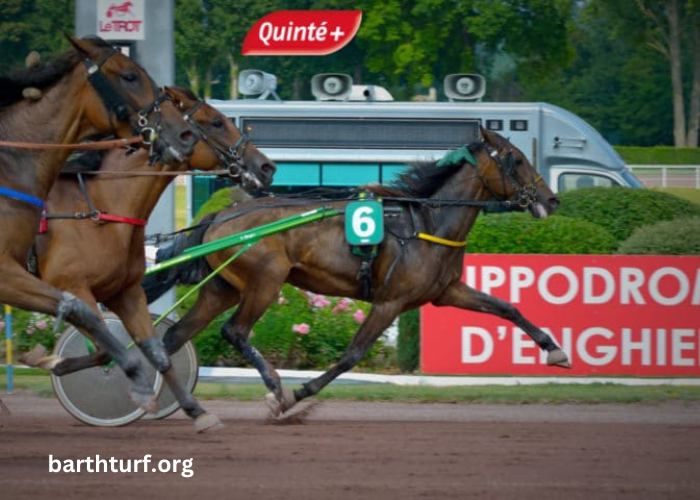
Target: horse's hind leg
132	309
379	319
23	290
465	297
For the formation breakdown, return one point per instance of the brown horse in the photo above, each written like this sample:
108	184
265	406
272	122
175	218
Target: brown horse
92	89
420	261
108	264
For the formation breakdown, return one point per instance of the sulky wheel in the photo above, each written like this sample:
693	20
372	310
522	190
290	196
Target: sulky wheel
99	395
186	367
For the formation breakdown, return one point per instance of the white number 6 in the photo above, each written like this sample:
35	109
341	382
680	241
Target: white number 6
362	224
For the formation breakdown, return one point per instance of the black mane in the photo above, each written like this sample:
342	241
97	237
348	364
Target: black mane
42	75
422	179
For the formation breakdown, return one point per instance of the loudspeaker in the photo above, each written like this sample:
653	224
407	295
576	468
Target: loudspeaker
254	82
331	86
464	86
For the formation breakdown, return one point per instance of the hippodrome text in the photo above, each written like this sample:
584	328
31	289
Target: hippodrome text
613	315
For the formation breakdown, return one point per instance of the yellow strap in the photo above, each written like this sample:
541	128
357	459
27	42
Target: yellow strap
442	241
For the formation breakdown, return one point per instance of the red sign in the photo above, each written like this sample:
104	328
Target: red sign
612	315
121	20
301	32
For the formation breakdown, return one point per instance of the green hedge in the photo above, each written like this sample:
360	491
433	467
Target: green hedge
659	155
517	232
676	237
622	210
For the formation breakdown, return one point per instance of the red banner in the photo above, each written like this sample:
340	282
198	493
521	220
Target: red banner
613	315
301	32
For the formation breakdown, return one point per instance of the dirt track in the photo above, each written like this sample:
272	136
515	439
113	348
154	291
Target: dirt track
366	450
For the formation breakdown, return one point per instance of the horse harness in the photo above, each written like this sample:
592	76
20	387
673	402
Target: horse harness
113	102
231	156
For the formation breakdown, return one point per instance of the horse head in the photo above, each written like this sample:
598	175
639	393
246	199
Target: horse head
508	175
222	143
123	99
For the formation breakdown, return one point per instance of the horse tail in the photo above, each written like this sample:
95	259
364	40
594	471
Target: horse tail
188	273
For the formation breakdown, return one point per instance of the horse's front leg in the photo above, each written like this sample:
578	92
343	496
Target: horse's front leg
132	308
379	319
460	295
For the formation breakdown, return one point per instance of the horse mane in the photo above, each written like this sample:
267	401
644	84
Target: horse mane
185	91
43	75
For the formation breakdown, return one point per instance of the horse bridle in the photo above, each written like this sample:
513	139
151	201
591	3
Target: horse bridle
117	104
526	194
227	155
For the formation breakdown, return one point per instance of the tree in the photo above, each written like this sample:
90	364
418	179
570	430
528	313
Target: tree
672	26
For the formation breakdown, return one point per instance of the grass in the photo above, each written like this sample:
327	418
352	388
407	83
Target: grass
38	382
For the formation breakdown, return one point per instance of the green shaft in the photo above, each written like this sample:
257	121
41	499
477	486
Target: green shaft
247	236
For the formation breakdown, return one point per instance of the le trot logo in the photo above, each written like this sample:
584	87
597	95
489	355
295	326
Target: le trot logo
302	32
121	20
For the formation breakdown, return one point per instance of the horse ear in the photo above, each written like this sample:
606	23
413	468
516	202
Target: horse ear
81	45
176	96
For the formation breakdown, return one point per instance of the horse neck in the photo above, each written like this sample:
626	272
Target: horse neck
132	196
453	222
56	118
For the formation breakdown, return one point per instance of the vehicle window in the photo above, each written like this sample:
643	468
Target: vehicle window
571	181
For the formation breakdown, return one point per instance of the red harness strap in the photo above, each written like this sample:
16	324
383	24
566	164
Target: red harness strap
43	226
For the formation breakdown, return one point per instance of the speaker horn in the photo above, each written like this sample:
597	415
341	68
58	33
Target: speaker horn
464	87
331	86
256	82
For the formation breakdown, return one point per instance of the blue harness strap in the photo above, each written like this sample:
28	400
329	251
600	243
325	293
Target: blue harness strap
11	193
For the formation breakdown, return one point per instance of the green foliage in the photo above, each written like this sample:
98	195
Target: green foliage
219	200
29	329
622	210
676	237
516	232
659	155
408	343
302	330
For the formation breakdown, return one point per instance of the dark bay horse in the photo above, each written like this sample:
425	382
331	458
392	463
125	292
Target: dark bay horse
107	265
92	89
420	260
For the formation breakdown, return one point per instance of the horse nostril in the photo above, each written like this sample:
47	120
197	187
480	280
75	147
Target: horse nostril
187	137
554	201
268	169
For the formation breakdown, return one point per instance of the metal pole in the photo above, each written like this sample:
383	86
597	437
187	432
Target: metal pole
8	348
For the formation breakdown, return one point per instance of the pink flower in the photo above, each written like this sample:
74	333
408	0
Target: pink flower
282	300
302	328
30	330
2	325
41	324
359	316
318	300
342	305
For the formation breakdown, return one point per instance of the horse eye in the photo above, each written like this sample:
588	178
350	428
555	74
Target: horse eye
218	123
130	77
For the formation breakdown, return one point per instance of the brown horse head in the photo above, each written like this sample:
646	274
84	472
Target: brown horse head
221	143
508	175
123	99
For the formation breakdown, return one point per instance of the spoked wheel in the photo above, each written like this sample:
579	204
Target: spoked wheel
186	368
100	395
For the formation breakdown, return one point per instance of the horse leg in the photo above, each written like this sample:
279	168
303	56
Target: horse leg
210	302
25	291
237	332
132	308
465	297
379	319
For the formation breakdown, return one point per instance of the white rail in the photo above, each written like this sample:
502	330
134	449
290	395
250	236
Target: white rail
668	175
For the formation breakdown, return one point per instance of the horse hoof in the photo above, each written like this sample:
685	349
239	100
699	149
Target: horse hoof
49	362
273	406
557	357
207	422
147	401
33	357
278	407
